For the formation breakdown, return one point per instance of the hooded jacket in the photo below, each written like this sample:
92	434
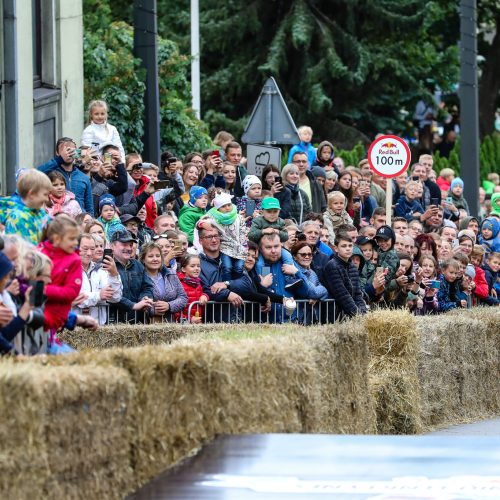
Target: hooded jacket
492	244
66	284
322	163
19	219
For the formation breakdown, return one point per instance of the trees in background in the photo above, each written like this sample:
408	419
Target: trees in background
113	74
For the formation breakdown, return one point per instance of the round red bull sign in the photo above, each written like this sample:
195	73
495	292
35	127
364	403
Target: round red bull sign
389	156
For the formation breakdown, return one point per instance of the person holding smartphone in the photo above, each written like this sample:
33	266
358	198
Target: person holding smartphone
101	284
272	181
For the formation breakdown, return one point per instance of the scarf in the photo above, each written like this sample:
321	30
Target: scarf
224	219
190	281
57	203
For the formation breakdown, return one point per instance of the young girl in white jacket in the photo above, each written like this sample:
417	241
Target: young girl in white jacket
99	131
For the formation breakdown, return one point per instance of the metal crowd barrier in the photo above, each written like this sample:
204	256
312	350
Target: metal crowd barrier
305	312
321	312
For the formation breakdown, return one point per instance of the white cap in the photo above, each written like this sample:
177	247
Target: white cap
222	199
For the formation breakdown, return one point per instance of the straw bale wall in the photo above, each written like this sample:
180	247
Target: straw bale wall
64	431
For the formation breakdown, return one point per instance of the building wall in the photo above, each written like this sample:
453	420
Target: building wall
31	119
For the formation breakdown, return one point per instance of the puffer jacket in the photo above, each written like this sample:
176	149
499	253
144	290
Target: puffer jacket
342	283
194	291
300	205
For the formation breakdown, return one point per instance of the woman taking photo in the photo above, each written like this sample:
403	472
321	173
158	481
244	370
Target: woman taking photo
270	182
169	296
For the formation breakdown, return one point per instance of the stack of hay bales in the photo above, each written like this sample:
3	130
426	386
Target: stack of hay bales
459	366
393	371
64	431
287	380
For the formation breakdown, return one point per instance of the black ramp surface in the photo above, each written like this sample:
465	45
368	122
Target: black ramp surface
304	466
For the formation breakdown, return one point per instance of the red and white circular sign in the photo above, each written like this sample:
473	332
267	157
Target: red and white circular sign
389	156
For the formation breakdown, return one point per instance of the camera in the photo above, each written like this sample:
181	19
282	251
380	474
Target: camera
300	236
35	318
411	279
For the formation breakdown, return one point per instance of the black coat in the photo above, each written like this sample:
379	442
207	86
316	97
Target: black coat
342	282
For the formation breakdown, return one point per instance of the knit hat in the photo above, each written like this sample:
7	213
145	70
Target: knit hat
470	271
249	181
318	172
449	223
6	265
196	193
222	199
456	182
106	199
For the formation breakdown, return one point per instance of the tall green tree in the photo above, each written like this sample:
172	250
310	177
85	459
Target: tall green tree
113	74
344	66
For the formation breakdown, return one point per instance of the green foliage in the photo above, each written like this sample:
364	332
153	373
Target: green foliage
113	74
352	157
341	65
489	157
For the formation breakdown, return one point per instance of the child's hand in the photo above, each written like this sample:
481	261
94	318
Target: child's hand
203	300
196	320
463	303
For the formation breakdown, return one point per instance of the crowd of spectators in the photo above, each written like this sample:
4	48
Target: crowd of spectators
96	235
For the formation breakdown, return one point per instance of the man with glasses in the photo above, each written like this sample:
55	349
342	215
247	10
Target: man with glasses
312	232
232	291
309	184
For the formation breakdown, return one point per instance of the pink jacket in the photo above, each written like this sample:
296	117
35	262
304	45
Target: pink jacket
66	284
68	205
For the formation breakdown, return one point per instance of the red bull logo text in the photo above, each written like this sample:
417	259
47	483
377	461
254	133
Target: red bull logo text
389	148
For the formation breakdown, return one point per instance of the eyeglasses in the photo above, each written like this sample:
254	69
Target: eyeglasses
305	255
213	237
158	236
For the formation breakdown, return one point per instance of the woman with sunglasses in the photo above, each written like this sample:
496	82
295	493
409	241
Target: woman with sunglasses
302	254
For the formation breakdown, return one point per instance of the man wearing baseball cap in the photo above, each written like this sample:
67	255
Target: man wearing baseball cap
269	222
137	286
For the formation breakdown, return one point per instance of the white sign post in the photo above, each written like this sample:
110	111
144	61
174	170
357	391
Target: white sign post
389	156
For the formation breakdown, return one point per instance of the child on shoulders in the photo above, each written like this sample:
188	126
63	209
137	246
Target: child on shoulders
99	131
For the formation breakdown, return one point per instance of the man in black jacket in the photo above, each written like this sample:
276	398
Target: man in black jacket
342	280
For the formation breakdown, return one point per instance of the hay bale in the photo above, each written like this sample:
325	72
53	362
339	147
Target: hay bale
125	335
397	398
393	370
391	333
64	431
459	369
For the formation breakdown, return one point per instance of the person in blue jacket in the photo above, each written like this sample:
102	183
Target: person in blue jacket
304	146
76	181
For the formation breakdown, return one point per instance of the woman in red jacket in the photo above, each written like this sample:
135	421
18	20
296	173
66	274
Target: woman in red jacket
189	277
